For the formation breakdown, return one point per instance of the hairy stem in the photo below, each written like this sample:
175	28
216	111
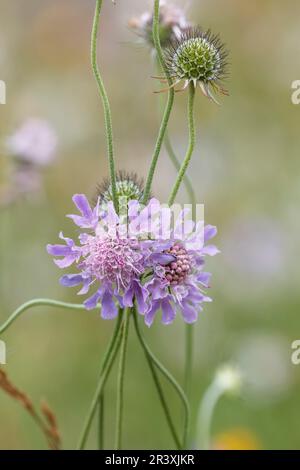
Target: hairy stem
38	303
105	102
191	145
168	108
106	367
157	384
121	377
186	180
174	158
170	379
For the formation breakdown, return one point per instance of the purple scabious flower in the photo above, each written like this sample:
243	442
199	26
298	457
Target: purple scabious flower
35	142
137	256
180	285
110	257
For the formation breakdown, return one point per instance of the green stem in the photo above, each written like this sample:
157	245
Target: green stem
101	422
38	303
175	160
157	384
191	146
168	108
170	379
105	102
205	415
121	376
186	180
107	364
188	369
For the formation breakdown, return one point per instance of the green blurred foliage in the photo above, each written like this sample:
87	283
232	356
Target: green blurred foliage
245	170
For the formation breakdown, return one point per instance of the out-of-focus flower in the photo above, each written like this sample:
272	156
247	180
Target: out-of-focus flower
236	439
198	57
254	248
35	142
229	379
265	362
31	148
180	285
172	23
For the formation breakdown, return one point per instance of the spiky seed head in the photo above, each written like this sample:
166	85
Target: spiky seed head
129	187
197	57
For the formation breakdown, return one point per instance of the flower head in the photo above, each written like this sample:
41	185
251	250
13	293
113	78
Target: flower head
109	257
197	57
138	257
179	285
171	24
34	142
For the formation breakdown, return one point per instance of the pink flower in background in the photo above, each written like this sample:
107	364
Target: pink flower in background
34	142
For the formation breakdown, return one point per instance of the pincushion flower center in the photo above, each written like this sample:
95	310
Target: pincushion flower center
113	259
177	271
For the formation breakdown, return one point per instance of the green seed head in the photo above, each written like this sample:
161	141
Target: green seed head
197	59
129	187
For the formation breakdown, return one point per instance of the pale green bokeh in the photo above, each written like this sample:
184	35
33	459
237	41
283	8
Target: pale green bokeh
245	170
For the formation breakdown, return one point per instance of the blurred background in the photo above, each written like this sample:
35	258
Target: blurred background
245	170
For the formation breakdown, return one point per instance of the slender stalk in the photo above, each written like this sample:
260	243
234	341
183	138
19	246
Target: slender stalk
107	364
170	379
121	376
188	368
186	180
191	145
168	108
101	422
105	102
174	159
38	303
158	386
205	415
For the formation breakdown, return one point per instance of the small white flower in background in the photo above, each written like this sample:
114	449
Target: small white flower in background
171	25
229	379
34	142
